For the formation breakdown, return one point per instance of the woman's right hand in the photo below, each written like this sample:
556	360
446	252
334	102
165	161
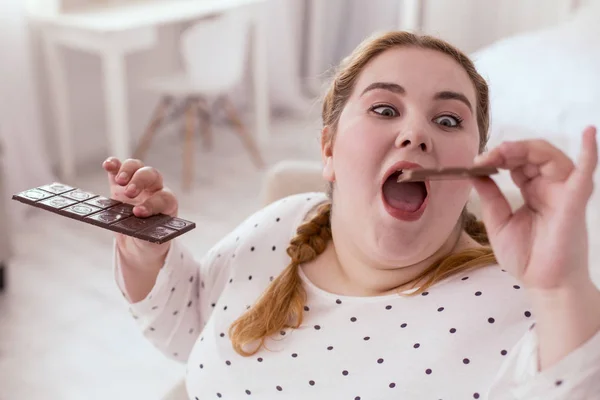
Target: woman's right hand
142	186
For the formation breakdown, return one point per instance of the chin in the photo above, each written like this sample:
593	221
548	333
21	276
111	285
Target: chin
398	252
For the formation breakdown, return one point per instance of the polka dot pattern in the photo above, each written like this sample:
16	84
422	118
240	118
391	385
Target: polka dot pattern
386	346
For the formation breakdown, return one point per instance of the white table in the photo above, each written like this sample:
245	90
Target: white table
114	32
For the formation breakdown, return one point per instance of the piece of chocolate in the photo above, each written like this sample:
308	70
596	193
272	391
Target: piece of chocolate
123	208
415	175
157	219
102	202
80	210
32	196
57	188
177	224
156	234
104	218
136	224
79	195
56	203
104	212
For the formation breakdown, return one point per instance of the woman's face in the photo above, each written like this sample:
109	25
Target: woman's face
408	105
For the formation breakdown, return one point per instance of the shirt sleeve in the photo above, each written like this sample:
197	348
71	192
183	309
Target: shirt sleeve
575	377
177	308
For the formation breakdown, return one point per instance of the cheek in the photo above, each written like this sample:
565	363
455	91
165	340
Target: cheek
357	149
459	151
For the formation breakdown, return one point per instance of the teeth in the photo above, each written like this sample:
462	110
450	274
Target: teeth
400	176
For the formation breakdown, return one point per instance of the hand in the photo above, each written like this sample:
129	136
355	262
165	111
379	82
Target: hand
133	183
544	243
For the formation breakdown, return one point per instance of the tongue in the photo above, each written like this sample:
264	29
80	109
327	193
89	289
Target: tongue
407	196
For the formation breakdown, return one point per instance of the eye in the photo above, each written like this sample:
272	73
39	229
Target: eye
449	121
385	111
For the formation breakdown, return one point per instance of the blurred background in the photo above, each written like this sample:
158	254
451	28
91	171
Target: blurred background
223	97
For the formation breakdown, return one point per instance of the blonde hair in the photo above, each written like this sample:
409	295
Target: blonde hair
281	305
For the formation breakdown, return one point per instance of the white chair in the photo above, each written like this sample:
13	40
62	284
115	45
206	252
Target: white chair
214	55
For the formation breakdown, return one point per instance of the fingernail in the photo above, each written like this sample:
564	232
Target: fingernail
122	175
480	157
142	210
131	189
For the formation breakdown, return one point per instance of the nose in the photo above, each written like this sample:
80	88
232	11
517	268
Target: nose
414	136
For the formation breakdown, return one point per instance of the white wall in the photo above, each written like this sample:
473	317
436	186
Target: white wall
21	133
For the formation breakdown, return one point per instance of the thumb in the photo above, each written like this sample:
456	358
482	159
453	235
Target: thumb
583	175
495	208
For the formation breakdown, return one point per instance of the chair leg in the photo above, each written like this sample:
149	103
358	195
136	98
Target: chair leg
3	277
191	114
243	133
205	127
157	119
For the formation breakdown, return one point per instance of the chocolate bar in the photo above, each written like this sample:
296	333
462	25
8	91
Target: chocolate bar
103	212
414	175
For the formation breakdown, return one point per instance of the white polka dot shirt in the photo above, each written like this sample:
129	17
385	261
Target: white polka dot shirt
468	337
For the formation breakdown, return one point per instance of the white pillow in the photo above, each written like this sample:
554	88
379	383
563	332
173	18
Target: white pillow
545	83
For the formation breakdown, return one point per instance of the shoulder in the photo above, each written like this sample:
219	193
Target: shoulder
252	254
491	292
294	207
278	219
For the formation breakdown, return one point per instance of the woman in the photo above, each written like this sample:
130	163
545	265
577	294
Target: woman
391	291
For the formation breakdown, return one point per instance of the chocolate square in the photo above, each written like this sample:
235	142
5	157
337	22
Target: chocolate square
32	196
57	188
104	218
56	203
80	210
102	202
177	224
157	219
130	225
156	234
79	195
123	208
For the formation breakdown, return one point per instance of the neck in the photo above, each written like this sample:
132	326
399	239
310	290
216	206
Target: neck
342	271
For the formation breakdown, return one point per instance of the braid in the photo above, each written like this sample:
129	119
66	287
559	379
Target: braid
475	228
281	305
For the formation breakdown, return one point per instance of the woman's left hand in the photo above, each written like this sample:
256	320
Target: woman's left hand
544	243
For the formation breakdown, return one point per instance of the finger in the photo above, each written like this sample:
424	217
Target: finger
111	165
127	170
519	178
551	161
495	208
523	175
163	202
144	179
583	176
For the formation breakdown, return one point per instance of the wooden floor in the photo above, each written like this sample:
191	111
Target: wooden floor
65	332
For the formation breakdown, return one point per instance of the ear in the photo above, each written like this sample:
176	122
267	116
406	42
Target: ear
327	154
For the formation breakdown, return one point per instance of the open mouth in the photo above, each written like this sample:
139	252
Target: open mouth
404	200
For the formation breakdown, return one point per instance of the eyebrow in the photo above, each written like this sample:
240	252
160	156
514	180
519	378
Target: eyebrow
392	87
395	88
448	95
